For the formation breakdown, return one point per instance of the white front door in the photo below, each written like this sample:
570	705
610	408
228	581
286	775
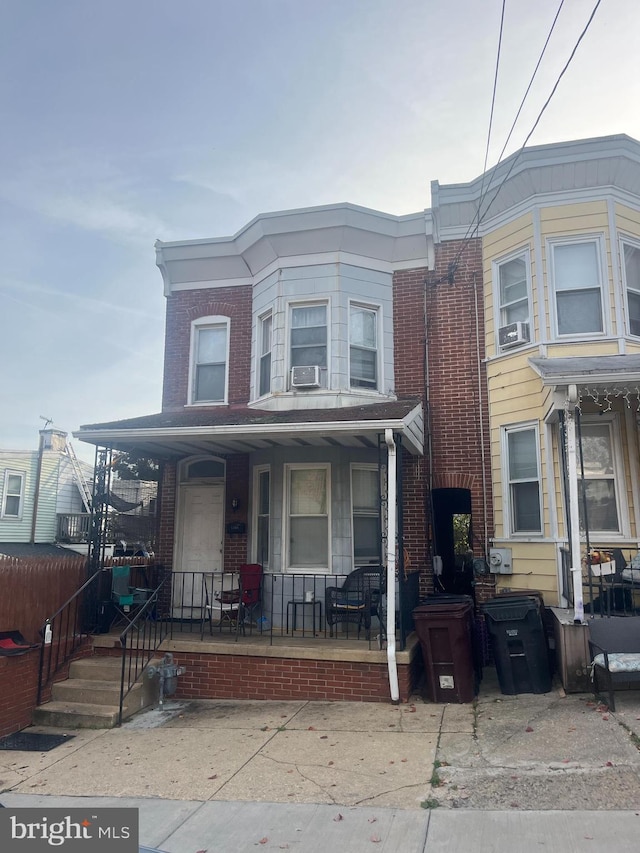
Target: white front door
200	543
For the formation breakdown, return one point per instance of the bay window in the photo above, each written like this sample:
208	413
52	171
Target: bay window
577	285
363	347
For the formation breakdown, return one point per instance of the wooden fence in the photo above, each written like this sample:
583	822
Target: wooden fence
33	588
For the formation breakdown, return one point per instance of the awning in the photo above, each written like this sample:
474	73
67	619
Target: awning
228	429
587	370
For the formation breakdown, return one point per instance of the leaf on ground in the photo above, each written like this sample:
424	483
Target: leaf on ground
528	729
264	729
311	729
376	839
330	763
264	840
324	737
403	760
338	817
373	819
609	764
605	716
515	805
215	776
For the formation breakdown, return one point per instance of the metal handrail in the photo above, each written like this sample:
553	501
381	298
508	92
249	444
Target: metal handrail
65	645
141	639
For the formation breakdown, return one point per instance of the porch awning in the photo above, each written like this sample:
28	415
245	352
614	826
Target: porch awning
230	429
586	370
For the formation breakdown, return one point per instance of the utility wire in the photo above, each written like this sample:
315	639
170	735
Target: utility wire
472	230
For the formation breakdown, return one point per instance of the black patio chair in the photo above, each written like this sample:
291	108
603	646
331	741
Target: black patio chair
357	600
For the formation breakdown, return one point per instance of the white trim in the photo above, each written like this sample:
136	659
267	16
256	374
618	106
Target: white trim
258	470
9	472
525	253
619	480
260	319
286	489
507	502
633	241
361	466
540	285
313	302
618	295
377	310
310	260
196	325
598	239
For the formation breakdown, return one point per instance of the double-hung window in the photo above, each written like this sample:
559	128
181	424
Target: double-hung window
210	339
12	494
365	513
262	504
632	279
600	485
309	336
523	478
264	364
513	290
577	283
363	347
308	502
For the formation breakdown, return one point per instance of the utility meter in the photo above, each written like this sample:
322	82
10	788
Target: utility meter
500	561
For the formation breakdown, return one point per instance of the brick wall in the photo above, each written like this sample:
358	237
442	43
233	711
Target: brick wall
183	307
19	676
439	348
213	676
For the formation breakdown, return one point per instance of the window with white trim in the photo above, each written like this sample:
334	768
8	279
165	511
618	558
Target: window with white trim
308	335
522	466
365	514
12	494
513	290
601	477
577	287
261	513
307	516
363	347
632	279
264	361
209	347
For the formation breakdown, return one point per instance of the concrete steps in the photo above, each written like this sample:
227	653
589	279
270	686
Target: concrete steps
90	697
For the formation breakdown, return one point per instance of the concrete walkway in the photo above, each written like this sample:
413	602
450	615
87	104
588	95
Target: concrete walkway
506	773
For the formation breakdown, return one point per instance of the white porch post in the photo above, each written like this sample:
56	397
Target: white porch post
574	514
391	564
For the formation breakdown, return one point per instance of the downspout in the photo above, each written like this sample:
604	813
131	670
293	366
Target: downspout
36	496
574	513
391	565
483	461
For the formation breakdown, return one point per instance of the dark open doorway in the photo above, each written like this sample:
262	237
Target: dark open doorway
453	537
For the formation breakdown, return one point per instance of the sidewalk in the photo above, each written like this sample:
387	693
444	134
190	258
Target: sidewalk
225	775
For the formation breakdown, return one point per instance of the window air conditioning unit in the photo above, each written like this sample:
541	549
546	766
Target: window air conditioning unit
513	335
305	377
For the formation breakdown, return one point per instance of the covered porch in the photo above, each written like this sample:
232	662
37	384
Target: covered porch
311	496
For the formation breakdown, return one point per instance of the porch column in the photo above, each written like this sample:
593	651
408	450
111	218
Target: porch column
574	515
392	510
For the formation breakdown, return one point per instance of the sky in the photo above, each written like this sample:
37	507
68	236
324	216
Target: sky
128	121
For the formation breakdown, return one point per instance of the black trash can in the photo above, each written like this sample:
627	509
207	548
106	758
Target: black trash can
444	625
519	644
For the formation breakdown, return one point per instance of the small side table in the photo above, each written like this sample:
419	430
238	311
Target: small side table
293	606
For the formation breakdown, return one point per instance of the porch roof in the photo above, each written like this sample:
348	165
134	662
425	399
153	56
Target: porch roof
581	370
240	429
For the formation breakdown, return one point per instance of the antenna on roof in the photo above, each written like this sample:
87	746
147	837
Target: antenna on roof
47	421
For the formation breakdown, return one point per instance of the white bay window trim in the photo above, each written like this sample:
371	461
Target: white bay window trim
577	292
209	361
513	303
630	255
364	348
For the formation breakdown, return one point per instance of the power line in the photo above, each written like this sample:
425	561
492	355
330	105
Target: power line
471	231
